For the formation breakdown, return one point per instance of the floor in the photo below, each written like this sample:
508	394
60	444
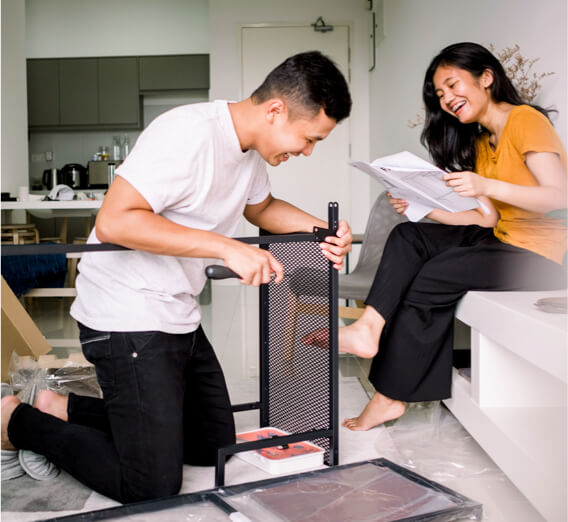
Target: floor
427	439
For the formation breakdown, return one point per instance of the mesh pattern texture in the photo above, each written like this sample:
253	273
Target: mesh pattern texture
299	376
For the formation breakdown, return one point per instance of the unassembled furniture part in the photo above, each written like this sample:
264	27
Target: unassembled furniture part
298	383
377	490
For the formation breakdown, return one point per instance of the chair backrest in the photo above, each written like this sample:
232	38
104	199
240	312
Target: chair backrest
382	219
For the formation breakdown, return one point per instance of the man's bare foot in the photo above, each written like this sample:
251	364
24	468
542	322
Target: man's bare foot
52	403
9	404
379	409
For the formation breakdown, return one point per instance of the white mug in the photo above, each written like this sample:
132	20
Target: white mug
23	193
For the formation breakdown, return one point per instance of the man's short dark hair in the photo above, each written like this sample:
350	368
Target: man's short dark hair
307	82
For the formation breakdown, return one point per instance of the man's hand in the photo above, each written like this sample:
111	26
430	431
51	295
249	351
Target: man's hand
466	183
255	265
335	248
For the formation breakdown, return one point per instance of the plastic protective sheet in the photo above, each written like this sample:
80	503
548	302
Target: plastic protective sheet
372	491
27	379
429	440
377	491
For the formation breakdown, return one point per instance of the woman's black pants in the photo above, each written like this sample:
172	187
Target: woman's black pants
424	271
165	404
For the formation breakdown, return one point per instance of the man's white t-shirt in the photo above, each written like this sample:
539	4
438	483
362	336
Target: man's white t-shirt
189	166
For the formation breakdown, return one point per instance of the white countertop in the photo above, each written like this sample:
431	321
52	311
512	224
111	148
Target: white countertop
32	204
51	209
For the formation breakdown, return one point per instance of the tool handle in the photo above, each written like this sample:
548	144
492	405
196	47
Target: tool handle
220	272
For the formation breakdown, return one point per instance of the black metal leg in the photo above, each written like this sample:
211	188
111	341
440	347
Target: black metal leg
220	467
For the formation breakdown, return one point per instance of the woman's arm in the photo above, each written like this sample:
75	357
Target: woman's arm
468	217
550	194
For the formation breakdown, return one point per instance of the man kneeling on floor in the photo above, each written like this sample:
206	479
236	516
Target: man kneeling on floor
175	202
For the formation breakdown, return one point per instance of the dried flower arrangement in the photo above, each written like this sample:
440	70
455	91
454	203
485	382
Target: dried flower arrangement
518	69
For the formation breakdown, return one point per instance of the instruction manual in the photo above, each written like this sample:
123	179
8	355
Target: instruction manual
420	183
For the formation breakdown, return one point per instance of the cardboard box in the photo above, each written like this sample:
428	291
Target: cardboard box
277	460
19	333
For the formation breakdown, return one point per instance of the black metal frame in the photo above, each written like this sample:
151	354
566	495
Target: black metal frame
331	433
464	506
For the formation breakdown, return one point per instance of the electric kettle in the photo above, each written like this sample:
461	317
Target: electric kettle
51	177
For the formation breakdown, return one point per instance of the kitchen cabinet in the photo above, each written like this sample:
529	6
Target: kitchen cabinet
177	72
119	98
78	104
83	93
43	92
105	93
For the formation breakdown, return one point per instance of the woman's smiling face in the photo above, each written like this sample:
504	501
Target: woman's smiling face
461	94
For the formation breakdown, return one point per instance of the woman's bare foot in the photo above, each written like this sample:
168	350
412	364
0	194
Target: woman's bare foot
379	409
52	403
360	338
9	404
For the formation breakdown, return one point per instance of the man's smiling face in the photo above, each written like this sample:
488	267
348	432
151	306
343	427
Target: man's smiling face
292	136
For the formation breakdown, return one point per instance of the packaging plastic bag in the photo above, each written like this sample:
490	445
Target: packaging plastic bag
28	378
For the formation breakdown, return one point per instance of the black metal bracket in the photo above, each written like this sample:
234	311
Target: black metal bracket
332	223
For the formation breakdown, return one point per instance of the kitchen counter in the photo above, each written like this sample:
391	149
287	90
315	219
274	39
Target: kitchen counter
55	209
50	209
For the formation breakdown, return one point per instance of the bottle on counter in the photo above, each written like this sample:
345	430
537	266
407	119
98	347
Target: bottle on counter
103	150
116	148
125	146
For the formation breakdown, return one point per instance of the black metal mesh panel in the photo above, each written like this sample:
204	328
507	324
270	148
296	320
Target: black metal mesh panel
299	377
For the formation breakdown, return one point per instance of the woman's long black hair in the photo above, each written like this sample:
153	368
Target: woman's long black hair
452	144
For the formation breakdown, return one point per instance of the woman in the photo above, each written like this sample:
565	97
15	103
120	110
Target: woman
507	155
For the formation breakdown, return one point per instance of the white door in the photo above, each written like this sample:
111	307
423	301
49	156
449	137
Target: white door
307	182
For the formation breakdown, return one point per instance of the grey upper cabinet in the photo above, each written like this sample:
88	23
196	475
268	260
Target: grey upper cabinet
119	100
105	93
43	92
78	100
179	72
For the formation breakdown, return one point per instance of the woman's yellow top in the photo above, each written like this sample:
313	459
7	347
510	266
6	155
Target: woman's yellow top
526	130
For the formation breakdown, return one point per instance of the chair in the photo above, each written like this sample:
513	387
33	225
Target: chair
19	234
356	285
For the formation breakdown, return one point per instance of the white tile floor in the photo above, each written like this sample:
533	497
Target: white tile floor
426	439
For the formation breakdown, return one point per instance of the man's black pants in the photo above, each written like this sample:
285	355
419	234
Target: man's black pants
165	404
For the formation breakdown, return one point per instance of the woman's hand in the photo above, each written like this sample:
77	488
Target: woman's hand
466	183
399	204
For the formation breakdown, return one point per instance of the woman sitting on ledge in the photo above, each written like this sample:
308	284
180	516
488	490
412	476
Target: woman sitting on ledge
506	154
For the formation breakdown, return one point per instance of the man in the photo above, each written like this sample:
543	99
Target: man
176	201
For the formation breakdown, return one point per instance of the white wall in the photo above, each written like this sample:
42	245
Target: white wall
227	17
14	117
416	30
78	28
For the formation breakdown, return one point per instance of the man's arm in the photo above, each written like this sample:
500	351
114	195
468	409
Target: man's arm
127	219
280	217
